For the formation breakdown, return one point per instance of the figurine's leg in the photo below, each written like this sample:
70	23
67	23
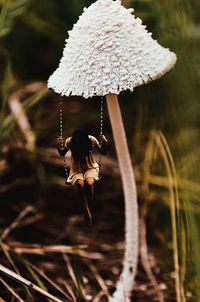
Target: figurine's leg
89	188
83	197
89	192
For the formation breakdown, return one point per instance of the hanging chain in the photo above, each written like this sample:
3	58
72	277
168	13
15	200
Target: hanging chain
61	119
101	117
101	132
61	136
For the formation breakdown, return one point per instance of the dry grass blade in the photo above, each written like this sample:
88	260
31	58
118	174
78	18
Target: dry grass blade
40	90
28	283
72	275
14	224
3	165
145	257
35	276
5	89
98	297
22	120
14	276
31	220
44	293
48	279
3	15
173	169
172	198
11	291
99	280
68	287
91	255
18	111
14	183
32	87
182	183
70	269
143	235
42	250
5	251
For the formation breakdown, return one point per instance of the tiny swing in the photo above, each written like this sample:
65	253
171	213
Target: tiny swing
61	136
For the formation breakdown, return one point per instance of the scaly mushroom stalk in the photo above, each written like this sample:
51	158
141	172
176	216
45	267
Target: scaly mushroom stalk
125	284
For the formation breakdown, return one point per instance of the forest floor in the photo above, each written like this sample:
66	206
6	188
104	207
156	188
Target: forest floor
50	241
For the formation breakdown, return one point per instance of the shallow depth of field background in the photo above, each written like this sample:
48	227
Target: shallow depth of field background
162	121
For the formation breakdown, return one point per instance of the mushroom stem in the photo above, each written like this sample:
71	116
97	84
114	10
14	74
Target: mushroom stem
125	284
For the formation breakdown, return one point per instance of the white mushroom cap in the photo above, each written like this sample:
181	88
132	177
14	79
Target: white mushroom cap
108	51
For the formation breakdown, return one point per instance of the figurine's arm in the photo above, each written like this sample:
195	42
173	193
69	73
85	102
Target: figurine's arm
62	150
103	148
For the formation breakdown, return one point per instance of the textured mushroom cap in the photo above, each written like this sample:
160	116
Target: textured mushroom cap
109	50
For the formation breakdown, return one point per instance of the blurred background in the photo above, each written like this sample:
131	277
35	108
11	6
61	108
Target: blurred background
42	233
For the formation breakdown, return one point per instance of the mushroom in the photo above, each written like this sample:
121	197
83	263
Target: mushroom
108	51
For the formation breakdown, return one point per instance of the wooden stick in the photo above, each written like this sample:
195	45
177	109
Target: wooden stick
26	282
125	285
